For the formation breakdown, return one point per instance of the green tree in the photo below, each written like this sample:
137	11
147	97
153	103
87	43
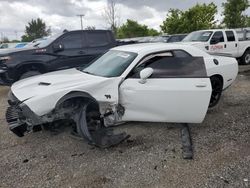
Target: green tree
133	29
35	29
153	32
174	22
200	16
233	12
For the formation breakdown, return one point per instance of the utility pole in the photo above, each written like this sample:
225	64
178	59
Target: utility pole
15	33
81	16
2	36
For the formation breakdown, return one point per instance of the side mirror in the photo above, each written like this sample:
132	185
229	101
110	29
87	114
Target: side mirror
214	41
145	74
58	47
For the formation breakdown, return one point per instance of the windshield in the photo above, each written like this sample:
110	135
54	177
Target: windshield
43	42
199	36
111	64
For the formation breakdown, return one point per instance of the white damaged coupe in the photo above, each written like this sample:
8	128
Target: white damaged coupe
142	82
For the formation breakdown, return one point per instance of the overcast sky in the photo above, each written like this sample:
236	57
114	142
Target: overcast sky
61	14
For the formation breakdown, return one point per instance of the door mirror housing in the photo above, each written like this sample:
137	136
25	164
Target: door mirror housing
145	74
58	47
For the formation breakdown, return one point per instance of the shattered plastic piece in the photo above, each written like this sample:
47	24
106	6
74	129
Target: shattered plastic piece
187	149
246	182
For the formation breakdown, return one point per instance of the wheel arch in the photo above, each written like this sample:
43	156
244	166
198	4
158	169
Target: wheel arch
30	66
74	96
247	49
218	76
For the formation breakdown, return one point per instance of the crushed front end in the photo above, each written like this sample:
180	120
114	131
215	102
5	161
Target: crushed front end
19	117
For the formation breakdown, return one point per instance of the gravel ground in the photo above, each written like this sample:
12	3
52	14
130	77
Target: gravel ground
150	158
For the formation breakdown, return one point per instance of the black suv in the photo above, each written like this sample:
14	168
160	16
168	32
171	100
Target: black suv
66	50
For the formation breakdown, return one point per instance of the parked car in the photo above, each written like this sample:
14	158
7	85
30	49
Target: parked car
142	82
170	38
8	45
150	39
225	41
21	44
61	51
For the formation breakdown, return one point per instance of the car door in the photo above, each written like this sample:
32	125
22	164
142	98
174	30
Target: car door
231	45
99	42
178	90
74	52
217	43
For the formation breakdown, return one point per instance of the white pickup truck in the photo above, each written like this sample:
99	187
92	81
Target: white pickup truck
222	41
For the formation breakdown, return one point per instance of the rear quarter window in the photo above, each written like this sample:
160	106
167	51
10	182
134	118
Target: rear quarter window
230	36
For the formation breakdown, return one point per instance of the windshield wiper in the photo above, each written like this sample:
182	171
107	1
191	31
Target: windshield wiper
87	72
36	45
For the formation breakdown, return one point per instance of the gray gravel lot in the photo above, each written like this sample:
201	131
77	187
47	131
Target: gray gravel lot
150	158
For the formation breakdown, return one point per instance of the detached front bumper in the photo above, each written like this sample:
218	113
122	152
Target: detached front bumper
20	118
15	125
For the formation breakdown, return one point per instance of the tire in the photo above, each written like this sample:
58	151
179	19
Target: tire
217	86
90	126
245	59
29	74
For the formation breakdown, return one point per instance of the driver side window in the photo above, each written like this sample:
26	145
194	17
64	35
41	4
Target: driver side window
176	64
147	62
72	41
218	37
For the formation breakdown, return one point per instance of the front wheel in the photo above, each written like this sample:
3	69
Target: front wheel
90	126
217	86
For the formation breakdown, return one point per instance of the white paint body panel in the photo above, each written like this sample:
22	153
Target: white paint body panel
159	100
43	99
181	100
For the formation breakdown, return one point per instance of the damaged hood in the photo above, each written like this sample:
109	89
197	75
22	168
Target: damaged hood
55	81
41	93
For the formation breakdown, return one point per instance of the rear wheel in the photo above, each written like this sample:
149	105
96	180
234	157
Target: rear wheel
29	74
217	86
245	60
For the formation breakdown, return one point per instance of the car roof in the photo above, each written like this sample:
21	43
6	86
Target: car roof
215	30
151	47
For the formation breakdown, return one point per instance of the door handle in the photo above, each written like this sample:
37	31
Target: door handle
236	45
201	85
225	46
82	52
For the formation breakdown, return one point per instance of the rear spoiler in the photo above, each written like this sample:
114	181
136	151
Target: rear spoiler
220	54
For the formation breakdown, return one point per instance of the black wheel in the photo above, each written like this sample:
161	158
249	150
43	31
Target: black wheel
29	74
91	127
245	59
217	86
